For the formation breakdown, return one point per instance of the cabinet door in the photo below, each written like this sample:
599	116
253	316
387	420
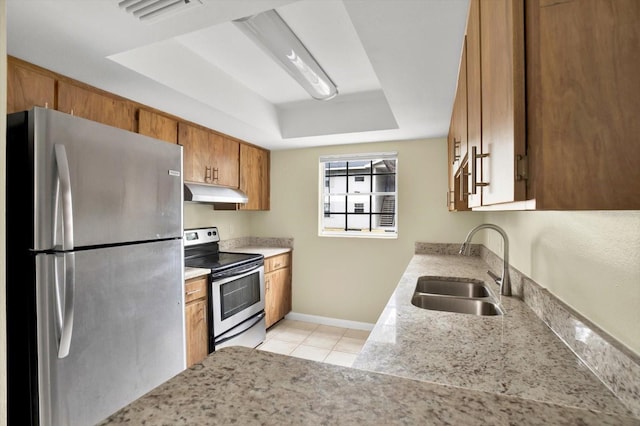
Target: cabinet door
254	177
503	99
474	99
277	295
460	108
95	106
196	330
157	126
225	160
583	77
27	88
196	155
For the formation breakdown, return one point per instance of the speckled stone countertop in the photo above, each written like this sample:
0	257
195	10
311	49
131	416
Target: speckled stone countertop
512	354
249	387
265	251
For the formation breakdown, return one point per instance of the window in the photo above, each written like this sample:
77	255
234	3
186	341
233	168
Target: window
358	195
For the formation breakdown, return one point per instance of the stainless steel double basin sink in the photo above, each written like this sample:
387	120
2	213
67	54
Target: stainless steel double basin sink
461	295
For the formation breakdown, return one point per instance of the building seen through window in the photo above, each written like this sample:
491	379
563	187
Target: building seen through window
359	195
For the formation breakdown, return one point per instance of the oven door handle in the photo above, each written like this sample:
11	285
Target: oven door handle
236	273
258	319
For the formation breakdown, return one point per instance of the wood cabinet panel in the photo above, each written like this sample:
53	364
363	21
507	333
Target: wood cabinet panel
474	96
27	88
254	177
278	295
457	141
225	160
503	99
157	126
95	106
583	103
209	157
277	280
277	262
196	331
196	153
195	289
196	322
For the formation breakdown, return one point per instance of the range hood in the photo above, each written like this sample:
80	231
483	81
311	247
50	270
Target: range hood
204	193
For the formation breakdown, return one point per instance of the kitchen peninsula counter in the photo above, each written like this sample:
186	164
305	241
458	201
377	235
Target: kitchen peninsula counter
513	354
249	387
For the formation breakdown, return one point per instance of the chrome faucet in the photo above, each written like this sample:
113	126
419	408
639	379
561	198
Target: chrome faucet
505	281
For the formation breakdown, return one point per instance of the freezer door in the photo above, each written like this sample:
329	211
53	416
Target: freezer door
124	186
126	334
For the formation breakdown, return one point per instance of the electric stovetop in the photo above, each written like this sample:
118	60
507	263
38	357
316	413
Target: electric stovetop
201	250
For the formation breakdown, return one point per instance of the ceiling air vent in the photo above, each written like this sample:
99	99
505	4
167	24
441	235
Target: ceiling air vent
153	10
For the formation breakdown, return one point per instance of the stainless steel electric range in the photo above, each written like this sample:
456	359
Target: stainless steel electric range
236	290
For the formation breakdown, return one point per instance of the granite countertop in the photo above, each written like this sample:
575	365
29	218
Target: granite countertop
195	272
265	251
249	387
512	354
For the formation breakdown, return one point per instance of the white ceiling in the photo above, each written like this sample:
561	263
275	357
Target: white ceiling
395	63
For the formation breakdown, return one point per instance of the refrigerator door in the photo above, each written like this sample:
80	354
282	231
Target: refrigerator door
119	186
126	334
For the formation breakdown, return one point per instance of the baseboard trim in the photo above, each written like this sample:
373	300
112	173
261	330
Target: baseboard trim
335	322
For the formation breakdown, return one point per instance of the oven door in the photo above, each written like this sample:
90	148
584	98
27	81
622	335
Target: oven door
237	298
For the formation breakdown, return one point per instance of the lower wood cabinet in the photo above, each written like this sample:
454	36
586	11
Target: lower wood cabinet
277	282
195	297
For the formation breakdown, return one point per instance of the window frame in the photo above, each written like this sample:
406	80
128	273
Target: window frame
377	231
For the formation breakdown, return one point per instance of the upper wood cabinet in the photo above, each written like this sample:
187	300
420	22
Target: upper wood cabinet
457	142
209	157
157	126
488	120
566	140
474	93
503	103
254	177
225	160
196	155
583	103
27	87
95	106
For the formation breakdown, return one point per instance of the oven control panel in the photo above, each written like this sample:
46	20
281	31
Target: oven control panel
201	236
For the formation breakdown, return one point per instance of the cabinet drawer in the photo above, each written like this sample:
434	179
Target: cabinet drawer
276	262
195	289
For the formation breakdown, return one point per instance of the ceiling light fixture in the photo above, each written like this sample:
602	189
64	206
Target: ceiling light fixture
269	31
152	10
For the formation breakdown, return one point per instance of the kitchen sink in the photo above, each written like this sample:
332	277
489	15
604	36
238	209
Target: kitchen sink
451	287
451	294
455	304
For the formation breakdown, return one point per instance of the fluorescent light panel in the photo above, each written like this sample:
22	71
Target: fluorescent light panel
269	31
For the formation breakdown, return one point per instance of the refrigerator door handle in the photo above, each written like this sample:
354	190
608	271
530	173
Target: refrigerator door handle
64	306
64	177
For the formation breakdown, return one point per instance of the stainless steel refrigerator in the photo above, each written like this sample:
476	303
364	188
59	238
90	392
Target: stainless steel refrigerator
94	267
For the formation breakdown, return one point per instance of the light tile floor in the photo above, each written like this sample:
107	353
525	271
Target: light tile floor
333	345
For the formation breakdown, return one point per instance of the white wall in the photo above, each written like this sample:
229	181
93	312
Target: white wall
590	260
349	278
3	141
